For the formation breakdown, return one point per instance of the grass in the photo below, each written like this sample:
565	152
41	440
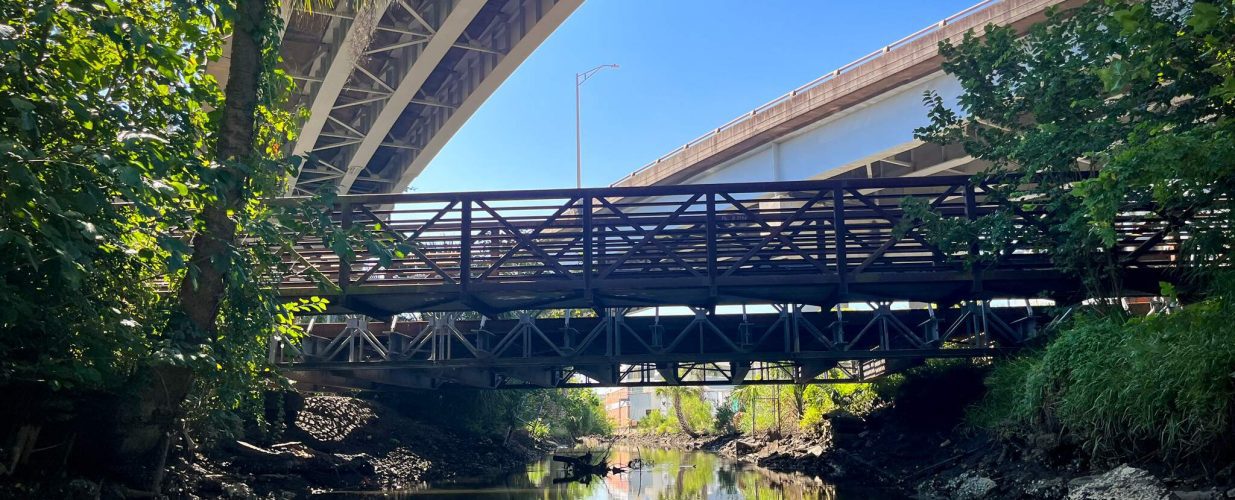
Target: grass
1124	386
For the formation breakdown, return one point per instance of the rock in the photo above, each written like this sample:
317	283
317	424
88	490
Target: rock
971	486
816	450
1045	441
743	446
1121	483
1047	488
846	423
238	490
1230	493
1195	495
81	488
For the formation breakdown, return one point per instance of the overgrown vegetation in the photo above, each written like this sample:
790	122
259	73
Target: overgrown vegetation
685	403
126	178
1160	383
559	414
1110	108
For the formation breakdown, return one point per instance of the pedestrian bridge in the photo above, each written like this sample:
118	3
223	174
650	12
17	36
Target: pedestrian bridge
481	267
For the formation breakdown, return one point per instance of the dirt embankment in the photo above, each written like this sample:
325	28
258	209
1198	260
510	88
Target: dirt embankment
344	443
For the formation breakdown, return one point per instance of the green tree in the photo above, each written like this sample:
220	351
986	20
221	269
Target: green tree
116	146
572	413
1113	108
1139	92
689	409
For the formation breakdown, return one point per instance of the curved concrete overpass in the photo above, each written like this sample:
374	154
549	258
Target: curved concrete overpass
856	121
388	82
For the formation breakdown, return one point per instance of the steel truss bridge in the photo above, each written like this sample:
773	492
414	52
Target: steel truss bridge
481	267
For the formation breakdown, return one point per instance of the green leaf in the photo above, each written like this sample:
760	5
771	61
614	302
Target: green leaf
21	104
1205	17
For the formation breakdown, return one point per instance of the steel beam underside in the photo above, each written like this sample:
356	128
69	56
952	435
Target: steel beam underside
790	346
388	82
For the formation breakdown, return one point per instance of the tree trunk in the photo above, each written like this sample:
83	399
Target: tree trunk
681	414
203	287
139	427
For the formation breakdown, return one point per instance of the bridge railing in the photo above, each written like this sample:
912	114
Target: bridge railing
560	243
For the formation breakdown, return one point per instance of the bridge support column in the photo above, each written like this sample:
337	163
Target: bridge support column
807	371
604	374
738	371
669	372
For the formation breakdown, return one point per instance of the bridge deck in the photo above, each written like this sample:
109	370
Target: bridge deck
807	242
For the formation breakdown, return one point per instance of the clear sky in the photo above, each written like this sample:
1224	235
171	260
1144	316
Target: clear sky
687	66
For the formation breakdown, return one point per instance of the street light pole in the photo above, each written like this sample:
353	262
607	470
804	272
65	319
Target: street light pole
579	79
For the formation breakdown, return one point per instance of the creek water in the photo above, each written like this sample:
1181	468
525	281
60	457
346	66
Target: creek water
664	473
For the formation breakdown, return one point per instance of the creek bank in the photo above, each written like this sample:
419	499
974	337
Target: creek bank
918	444
671	441
954	463
345	443
959	463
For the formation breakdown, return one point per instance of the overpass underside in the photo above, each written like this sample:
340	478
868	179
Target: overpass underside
802	246
388	82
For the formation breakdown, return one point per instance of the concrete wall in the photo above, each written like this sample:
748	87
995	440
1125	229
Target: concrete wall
877	125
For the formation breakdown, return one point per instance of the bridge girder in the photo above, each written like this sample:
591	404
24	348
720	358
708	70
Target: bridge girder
388	82
790	346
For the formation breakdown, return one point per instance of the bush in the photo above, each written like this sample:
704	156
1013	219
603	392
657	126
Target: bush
658	422
724	418
820	400
1157	383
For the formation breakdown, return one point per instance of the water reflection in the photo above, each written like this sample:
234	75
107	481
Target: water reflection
667	474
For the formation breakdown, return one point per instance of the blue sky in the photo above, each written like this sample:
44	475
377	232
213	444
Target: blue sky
687	66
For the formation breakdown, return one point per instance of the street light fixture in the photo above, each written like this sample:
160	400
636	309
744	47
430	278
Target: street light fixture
579	79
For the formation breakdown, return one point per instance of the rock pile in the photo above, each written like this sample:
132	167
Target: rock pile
1121	483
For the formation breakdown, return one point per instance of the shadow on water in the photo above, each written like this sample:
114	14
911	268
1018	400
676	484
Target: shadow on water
665	474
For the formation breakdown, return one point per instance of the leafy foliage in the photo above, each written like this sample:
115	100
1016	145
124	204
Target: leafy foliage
724	418
821	400
544	413
688	405
97	104
659	422
1112	108
1139	92
107	115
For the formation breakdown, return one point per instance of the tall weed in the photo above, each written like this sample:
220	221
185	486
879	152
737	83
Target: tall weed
1159	383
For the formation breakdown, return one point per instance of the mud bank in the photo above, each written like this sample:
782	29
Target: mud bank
334	443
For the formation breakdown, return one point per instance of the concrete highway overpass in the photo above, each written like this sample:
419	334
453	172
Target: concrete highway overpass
388	82
854	122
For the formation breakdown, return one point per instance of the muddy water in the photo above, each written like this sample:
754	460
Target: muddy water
664	474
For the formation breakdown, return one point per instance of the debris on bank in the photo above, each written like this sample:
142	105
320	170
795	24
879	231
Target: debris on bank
346	443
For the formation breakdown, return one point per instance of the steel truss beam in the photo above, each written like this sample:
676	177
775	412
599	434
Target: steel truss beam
790	346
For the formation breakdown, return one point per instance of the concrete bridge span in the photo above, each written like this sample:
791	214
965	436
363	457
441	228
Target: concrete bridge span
386	83
852	122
